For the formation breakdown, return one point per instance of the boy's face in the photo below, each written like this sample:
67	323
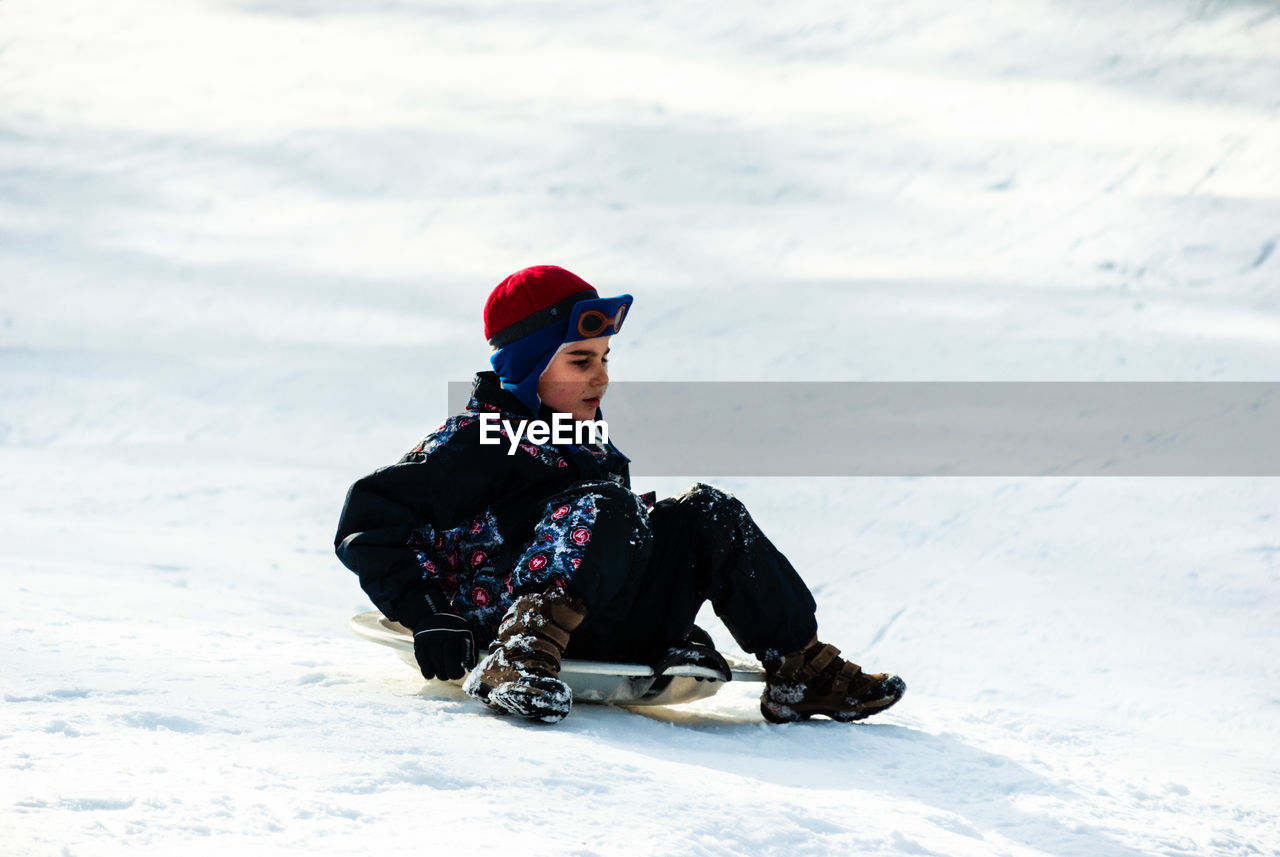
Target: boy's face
575	379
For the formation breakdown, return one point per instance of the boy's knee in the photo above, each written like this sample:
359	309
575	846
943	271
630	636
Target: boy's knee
608	498
598	526
601	506
612	492
709	498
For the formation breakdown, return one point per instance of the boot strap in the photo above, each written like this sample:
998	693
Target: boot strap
849	671
542	646
567	615
529	621
547	630
554	633
814	666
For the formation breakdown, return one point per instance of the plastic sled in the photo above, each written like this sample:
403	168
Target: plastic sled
591	681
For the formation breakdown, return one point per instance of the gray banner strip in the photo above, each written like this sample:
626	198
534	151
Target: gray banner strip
942	428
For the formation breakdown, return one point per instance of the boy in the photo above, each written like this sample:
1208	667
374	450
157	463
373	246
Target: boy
532	549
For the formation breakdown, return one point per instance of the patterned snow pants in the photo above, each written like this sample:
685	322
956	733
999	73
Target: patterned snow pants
643	576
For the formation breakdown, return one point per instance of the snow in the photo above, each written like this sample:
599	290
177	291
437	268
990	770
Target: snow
244	245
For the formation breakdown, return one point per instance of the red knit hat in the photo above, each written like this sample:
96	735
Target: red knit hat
531	299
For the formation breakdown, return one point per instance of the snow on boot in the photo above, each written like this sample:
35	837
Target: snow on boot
521	673
816	680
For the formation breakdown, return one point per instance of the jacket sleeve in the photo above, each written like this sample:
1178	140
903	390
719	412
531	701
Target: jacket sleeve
449	486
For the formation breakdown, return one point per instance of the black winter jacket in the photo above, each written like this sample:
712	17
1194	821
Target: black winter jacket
440	529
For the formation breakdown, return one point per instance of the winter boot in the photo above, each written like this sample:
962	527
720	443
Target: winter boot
521	674
816	680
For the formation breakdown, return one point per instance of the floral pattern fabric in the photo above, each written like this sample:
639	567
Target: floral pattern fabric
469	561
559	543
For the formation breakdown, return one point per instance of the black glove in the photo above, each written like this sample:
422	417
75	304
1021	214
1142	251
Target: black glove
444	646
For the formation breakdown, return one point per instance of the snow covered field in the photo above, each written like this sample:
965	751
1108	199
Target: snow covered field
244	245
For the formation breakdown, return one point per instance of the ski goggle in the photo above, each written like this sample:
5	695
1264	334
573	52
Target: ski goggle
599	317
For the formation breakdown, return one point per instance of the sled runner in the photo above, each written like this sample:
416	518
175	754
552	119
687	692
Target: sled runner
591	681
